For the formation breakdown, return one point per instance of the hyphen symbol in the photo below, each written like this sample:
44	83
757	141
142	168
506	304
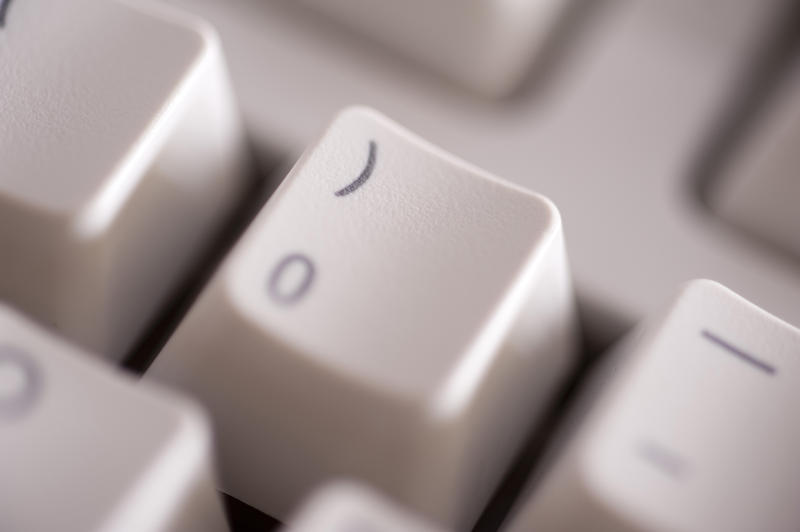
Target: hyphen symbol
3	8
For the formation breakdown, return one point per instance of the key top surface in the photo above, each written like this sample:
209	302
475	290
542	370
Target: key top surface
82	85
83	448
393	313
694	429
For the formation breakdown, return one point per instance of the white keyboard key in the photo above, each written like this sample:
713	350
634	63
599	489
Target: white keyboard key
697	429
350	507
392	314
122	152
760	188
486	45
86	449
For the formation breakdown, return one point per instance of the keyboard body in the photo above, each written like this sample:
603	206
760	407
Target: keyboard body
625	124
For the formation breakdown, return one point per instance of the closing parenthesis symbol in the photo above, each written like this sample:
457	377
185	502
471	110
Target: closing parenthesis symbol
365	173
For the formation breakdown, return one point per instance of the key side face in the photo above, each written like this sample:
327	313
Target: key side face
83	81
391	276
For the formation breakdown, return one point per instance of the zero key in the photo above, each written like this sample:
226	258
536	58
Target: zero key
122	152
393	314
86	448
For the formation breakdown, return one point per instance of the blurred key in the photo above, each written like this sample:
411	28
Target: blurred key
695	428
392	314
487	45
86	449
121	153
350	507
759	190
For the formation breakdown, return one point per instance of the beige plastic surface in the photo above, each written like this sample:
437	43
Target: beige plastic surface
694	427
350	507
487	45
122	150
407	332
760	192
84	448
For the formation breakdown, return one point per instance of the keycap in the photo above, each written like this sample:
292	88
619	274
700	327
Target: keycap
345	506
393	314
485	45
85	448
758	189
694	427
122	153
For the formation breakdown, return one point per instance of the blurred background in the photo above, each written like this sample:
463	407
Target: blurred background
664	131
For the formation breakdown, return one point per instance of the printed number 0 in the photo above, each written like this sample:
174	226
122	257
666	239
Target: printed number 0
286	295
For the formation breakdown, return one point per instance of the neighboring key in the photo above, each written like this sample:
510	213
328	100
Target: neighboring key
392	314
486	45
86	449
350	507
759	189
695	428
121	154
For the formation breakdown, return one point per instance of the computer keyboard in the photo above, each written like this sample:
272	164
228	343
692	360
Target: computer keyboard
392	335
